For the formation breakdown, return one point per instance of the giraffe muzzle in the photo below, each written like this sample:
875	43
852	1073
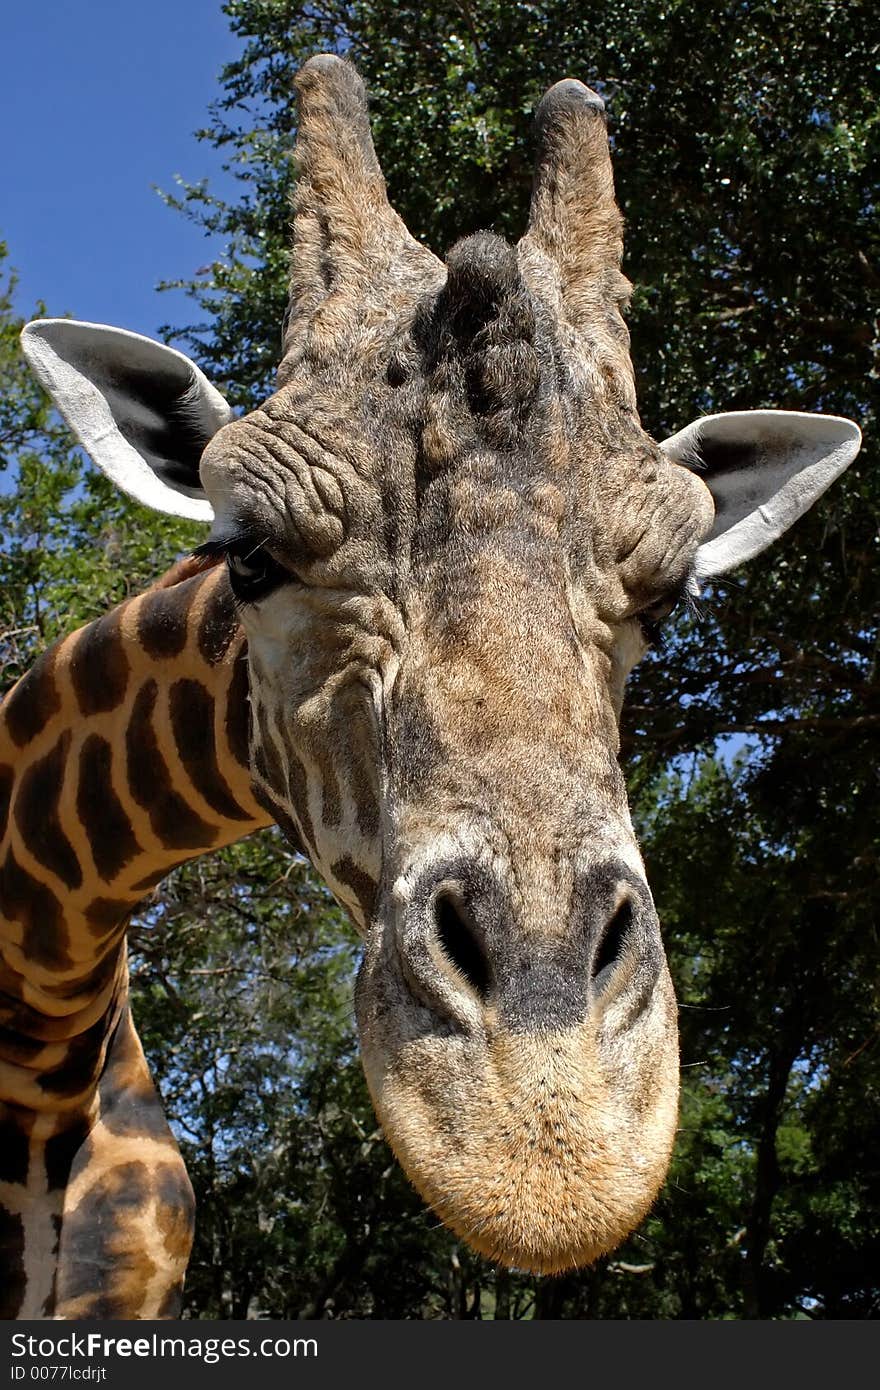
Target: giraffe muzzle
472	956
523	1064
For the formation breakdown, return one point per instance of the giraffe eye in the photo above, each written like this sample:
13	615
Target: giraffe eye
253	573
651	619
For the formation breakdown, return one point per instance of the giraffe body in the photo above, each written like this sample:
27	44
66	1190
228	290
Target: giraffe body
123	753
450	538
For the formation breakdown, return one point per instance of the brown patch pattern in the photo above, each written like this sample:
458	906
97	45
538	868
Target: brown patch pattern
364	888
32	903
192	721
99	666
107	826
36	814
31	703
174	822
219	624
7	777
163	620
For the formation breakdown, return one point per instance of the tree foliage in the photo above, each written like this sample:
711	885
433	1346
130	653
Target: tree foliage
747	155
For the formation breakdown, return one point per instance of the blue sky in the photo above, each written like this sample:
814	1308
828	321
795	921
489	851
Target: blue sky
98	104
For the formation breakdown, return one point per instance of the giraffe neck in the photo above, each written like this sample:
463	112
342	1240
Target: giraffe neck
123	753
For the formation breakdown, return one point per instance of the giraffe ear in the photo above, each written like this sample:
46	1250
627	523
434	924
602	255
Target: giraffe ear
764	469
141	410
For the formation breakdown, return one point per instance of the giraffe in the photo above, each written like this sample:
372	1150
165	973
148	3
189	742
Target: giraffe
123	752
448	538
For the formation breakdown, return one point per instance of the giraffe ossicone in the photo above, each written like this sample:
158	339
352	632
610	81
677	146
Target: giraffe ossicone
448	534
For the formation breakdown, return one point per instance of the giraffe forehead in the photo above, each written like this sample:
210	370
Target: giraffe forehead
492	533
362	483
460	422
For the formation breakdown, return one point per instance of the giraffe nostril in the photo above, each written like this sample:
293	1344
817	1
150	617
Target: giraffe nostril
613	944
460	944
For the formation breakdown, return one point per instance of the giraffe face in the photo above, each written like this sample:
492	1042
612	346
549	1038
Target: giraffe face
444	555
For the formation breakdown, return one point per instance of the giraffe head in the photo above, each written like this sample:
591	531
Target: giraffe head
451	539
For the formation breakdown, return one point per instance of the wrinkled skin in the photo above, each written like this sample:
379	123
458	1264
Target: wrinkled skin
445	528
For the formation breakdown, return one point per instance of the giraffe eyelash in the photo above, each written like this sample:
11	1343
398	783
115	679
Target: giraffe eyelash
653	632
653	625
220	547
250	578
